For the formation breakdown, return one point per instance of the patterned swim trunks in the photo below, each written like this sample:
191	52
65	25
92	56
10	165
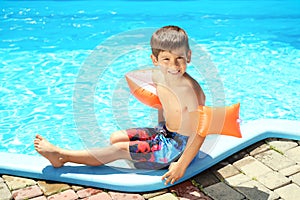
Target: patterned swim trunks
155	148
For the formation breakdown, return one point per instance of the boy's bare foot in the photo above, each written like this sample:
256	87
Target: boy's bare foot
49	151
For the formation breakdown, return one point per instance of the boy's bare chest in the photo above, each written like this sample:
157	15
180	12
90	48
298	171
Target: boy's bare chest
172	96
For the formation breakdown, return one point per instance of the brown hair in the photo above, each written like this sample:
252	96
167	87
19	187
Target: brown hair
168	38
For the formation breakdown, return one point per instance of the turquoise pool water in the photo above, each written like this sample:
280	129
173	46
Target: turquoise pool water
45	47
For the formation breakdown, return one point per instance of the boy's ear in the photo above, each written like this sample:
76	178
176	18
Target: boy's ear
154	60
189	56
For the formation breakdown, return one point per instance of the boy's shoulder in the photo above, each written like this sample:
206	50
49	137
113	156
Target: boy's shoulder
191	80
197	89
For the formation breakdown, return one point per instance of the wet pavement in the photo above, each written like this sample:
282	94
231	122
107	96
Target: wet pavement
269	169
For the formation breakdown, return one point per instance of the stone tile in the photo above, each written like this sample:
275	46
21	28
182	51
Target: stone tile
290	170
166	196
237	156
187	190
294	154
125	196
220	191
52	188
295	178
273	180
274	160
26	193
65	195
15	183
5	193
87	192
289	192
257	148
226	171
283	145
39	198
76	188
206	178
255	190
154	194
268	140
252	167
99	196
237	179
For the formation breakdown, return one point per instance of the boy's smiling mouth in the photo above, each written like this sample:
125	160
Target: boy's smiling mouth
174	72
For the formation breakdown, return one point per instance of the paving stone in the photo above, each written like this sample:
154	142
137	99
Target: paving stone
99	196
295	178
237	179
87	192
77	188
237	156
39	198
289	192
26	193
257	148
52	188
226	171
5	193
252	167
65	195
15	183
268	140
206	178
221	190
294	154
166	196
153	194
255	190
274	160
187	190
283	145
125	196
273	180
290	170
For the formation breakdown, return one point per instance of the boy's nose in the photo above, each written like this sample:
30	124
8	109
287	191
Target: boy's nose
175	64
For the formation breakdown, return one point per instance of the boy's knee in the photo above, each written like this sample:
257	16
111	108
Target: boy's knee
113	137
118	136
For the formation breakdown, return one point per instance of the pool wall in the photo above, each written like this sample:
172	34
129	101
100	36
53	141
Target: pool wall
134	180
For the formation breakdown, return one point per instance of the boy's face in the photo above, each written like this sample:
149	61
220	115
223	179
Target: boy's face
172	63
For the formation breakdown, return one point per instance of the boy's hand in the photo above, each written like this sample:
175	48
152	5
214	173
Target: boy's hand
174	174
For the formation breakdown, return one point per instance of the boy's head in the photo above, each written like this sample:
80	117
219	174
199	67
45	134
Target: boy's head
169	38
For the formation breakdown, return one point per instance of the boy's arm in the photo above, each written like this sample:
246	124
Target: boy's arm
177	169
160	115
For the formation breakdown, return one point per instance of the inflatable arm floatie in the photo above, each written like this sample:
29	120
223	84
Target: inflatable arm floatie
211	120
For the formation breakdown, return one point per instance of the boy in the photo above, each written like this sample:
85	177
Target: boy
176	143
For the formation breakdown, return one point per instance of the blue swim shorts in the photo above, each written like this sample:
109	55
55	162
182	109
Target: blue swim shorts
155	148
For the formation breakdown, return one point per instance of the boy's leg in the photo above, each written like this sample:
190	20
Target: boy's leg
133	134
93	157
119	136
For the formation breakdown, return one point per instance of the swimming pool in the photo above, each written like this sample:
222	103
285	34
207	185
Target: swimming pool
44	48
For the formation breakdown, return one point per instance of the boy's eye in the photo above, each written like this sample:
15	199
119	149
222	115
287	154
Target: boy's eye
166	59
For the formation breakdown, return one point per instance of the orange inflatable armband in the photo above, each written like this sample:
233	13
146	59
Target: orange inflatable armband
142	87
209	120
218	120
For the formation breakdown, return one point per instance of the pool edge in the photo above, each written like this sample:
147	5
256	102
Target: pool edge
141	181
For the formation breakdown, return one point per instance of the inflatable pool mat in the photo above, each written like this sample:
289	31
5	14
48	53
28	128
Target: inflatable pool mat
215	149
